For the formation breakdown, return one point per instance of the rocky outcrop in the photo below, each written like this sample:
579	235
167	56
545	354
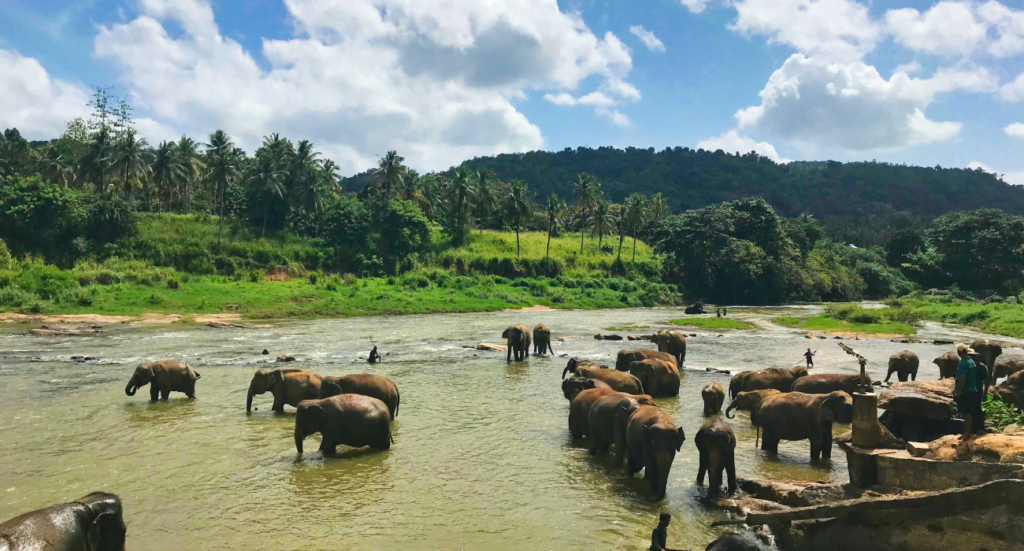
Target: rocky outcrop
1011	390
492	347
608	337
928	399
793	493
53	331
990	448
285	358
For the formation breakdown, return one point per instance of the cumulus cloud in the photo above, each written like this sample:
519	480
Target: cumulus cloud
647	38
1008	26
34	102
695	6
838	30
946	29
1012	178
1014	90
437	82
733	142
850	105
1015	130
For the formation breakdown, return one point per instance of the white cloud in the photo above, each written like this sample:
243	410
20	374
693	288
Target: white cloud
1014	90
1015	130
911	68
946	29
1008	26
732	142
434	80
850	106
34	102
837	30
1012	178
695	6
648	38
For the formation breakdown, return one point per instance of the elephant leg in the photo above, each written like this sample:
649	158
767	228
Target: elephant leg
595	447
815	449
730	471
913	375
154	392
278	402
769	442
328	447
826	444
632	465
715	479
508	354
702	468
165	393
902	376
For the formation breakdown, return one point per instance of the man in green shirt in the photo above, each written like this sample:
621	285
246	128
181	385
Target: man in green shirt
968	391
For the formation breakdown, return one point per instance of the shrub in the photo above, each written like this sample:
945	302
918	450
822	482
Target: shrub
256	276
172	284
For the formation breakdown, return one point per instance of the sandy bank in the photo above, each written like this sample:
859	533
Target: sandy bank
534	308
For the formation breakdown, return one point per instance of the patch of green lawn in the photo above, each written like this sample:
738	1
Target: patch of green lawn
713	323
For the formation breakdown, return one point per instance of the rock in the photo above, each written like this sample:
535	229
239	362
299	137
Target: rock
1011	390
928	399
45	331
745	505
715	370
942	342
989	448
691	334
918	449
83	358
492	347
837	337
632	337
810	336
792	493
912	428
601	337
1012	428
285	358
266	352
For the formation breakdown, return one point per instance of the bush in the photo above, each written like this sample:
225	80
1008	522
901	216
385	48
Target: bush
1000	413
256	276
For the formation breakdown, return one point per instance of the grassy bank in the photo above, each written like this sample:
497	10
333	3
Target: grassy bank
997	318
713	323
853	318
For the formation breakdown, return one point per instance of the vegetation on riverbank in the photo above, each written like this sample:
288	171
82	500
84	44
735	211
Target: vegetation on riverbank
1000	413
852	318
1006	318
713	323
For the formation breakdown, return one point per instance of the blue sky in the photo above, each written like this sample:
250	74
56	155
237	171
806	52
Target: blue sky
906	82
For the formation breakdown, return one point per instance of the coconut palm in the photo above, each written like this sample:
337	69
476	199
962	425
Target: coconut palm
390	174
192	166
130	157
555	206
587	191
657	207
305	178
165	170
223	169
267	178
484	194
97	158
55	166
635	214
517	207
603	220
461	189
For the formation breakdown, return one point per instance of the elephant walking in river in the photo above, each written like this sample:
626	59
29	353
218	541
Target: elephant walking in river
346	419
778	378
714	396
716	444
904	365
289	386
652	440
542	340
163	378
367	384
671	342
93	523
517	339
799	416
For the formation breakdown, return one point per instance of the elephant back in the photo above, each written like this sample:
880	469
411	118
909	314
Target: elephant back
824	383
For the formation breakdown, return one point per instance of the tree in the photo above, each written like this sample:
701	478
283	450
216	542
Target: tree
165	170
131	159
555	206
635	213
390	174
603	220
223	166
484	194
517	206
305	177
657	207
587	190
983	250
97	157
15	154
267	179
55	166
462	190
192	166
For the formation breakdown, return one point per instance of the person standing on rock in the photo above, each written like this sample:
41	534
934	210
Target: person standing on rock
968	392
659	536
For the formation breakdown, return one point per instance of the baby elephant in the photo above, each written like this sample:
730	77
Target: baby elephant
93	523
346	419
163	378
367	384
542	340
904	365
717	445
714	396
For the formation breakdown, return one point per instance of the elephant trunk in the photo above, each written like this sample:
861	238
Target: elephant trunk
564	371
131	388
248	398
728	410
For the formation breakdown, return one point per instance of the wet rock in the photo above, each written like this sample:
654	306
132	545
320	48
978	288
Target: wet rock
285	358
84	358
266	352
1011	390
912	428
716	370
632	337
989	448
492	347
942	342
928	399
608	337
744	505
793	493
45	331
691	334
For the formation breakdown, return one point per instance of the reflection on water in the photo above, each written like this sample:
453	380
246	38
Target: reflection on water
482	459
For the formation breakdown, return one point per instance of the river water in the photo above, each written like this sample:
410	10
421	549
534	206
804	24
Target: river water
482	460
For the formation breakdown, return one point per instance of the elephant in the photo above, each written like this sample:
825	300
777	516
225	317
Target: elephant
717	446
947	364
652	441
579	410
750	401
542	340
714	396
346	419
93	523
289	386
823	383
163	378
657	377
904	365
989	351
780	379
672	342
627	357
1007	366
616	380
375	386
799	416
607	420
737	541
695	308
576	384
517	339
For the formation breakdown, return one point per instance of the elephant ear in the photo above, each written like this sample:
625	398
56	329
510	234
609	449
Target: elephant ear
274	377
106	532
328	389
825	411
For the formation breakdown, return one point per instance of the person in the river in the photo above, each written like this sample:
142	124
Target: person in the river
725	312
374	356
660	534
810	357
967	391
719	312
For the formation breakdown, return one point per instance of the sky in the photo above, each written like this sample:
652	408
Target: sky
442	81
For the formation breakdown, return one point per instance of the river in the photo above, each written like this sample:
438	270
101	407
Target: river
482	460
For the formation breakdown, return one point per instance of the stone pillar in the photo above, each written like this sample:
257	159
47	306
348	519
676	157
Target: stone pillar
866	432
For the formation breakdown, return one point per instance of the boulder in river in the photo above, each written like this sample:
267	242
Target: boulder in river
608	337
928	399
285	358
492	347
793	493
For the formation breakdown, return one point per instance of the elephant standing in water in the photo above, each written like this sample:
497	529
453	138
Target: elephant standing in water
163	378
93	523
717	445
346	419
607	420
652	441
517	338
750	401
823	383
627	357
542	340
947	364
617	380
799	416
773	377
374	386
579	410
657	377
671	342
904	365
714	396
572	386
289	386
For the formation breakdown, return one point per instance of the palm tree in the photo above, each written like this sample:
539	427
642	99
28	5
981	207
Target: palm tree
165	169
304	177
517	205
223	169
390	173
587	190
97	157
603	220
55	166
635	212
130	157
484	196
555	206
268	180
462	188
657	207
192	166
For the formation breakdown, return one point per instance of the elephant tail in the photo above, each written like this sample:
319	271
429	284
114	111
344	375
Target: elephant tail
392	437
398	401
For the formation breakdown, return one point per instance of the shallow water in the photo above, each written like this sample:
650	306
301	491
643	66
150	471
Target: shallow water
482	459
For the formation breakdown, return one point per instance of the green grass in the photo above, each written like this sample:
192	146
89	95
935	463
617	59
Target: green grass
713	323
999	319
828	324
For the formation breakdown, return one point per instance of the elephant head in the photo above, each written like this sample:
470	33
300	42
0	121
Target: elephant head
988	350
309	419
837	407
744	401
574	385
106	529
570	367
263	381
660	446
142	377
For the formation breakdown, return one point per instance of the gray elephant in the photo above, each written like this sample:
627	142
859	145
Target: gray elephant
572	386
823	383
657	377
1007	366
367	384
780	379
737	541
607	413
163	378
947	365
93	523
621	382
517	339
346	419
671	342
542	340
714	396
716	444
989	351
652	441
579	410
750	402
625	358
799	416
289	386
904	365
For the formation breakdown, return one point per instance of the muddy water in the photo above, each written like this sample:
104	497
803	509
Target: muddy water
483	459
